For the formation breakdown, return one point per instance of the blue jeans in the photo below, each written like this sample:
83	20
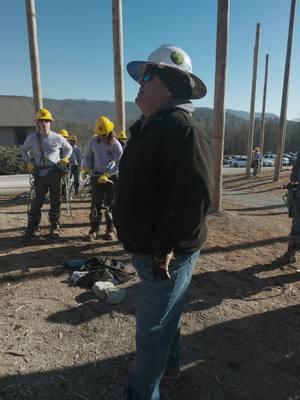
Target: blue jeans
160	304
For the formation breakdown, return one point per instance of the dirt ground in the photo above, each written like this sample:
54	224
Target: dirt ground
241	336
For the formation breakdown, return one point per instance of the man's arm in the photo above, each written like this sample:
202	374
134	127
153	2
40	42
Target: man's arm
67	149
26	150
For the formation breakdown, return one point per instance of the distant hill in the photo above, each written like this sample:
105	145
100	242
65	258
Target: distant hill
86	111
246	115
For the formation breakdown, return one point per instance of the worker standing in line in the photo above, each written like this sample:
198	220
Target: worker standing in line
51	153
75	163
103	155
163	196
64	133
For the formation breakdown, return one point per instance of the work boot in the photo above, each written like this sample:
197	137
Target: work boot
29	234
109	235
291	253
93	235
54	231
31	231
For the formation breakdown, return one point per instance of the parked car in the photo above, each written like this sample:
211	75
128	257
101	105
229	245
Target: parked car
238	161
291	156
226	160
266	162
271	156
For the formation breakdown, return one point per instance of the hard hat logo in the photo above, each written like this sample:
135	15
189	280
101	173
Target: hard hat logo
44	114
177	58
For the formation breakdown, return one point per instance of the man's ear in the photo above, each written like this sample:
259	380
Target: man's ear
167	92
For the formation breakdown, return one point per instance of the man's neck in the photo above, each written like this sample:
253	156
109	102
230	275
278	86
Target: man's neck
43	133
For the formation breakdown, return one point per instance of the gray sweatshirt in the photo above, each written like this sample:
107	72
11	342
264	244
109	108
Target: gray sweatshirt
54	146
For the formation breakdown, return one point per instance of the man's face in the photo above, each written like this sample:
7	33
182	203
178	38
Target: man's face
44	126
152	93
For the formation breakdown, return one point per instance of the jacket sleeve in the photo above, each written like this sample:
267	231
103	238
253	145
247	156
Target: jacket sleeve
295	168
187	171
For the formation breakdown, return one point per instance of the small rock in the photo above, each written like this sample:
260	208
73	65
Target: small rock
116	296
101	288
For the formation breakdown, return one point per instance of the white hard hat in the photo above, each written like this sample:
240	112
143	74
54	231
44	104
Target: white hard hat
172	57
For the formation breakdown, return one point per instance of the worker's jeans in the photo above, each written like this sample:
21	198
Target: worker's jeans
159	308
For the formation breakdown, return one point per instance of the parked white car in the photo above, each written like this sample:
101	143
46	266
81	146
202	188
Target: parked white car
271	156
266	162
238	161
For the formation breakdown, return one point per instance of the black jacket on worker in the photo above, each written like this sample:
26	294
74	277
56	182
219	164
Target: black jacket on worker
164	188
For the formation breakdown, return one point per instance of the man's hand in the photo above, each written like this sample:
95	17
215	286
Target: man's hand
103	178
64	162
160	267
30	167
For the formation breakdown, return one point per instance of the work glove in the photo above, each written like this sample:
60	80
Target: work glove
30	167
160	267
103	178
64	162
85	172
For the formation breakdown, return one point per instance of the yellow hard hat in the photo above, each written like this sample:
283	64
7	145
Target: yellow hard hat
73	138
122	135
43	113
103	126
64	133
256	149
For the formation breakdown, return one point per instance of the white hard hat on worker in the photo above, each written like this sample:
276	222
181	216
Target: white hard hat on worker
173	58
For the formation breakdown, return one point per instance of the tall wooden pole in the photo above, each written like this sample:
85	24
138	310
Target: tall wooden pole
263	112
252	108
118	64
284	100
34	55
217	140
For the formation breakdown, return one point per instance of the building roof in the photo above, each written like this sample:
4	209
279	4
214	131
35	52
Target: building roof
16	111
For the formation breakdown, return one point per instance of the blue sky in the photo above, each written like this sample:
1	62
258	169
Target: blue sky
76	49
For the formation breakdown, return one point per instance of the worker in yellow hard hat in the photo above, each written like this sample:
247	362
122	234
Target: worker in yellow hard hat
64	133
122	138
51	153
75	162
103	153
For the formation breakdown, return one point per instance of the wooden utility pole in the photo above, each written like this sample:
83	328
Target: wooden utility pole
217	140
252	108
284	100
263	112
34	55
118	64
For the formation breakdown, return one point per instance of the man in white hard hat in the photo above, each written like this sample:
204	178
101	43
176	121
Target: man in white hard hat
162	199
